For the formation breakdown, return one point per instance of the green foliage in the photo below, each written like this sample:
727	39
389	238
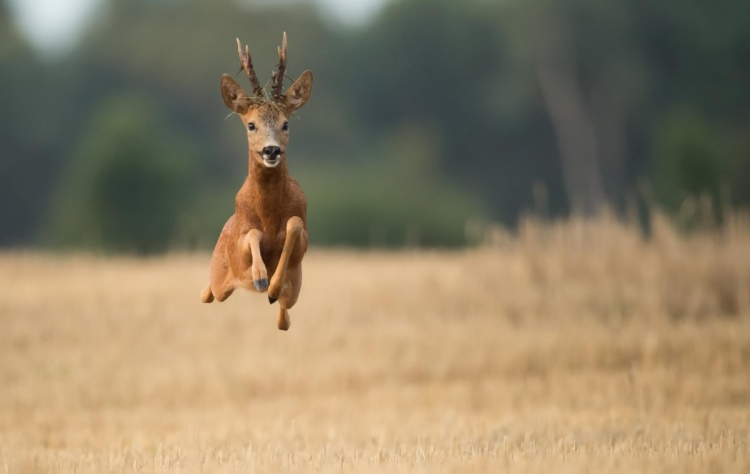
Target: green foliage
393	198
128	184
376	205
689	160
429	114
22	153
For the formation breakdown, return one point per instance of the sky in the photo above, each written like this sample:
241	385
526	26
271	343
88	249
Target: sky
53	26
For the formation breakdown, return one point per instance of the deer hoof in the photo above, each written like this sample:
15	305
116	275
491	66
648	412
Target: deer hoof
274	290
261	285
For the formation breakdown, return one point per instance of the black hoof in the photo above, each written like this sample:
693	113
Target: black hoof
261	285
272	300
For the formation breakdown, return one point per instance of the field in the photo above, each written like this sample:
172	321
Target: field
571	347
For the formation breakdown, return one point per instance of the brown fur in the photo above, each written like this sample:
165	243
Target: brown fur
267	235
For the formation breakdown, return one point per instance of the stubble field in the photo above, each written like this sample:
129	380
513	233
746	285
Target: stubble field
576	347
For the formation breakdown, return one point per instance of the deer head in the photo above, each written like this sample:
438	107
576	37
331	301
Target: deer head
266	119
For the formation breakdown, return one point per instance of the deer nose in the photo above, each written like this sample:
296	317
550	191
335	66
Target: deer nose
271	152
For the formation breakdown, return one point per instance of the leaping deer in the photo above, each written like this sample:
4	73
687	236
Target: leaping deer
267	235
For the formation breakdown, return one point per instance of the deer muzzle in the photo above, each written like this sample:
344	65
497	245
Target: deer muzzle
271	156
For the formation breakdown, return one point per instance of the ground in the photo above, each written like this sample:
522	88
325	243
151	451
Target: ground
563	349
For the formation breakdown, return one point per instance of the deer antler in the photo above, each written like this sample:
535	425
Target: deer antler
278	75
247	65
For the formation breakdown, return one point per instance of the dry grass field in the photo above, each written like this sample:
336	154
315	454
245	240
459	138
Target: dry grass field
573	347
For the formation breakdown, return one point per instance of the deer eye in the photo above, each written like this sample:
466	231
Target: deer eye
251	126
285	127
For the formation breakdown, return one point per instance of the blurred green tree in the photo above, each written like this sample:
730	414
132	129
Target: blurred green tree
689	161
129	183
477	101
395	198
23	140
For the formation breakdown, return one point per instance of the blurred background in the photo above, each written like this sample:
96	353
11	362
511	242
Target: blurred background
429	119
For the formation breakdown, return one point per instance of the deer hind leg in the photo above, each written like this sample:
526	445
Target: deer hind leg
220	280
207	295
294	242
220	287
289	296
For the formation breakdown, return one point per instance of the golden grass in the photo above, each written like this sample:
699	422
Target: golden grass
574	347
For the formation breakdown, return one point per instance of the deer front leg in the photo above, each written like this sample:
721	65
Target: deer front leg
294	229
251	243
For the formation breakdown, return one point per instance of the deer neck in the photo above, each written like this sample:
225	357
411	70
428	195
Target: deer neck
268	188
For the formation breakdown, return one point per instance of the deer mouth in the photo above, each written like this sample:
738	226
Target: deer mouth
270	161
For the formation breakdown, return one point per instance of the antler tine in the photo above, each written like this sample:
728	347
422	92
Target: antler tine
247	65
278	75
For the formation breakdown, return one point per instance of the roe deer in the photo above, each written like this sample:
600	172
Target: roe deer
267	235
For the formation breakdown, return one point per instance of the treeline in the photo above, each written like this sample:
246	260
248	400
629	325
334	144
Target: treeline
432	117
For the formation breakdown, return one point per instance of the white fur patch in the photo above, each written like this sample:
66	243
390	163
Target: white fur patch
271	164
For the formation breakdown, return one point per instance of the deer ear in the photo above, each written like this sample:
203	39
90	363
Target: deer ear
298	93
234	96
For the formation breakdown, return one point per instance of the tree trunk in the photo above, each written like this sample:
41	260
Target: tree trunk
571	121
